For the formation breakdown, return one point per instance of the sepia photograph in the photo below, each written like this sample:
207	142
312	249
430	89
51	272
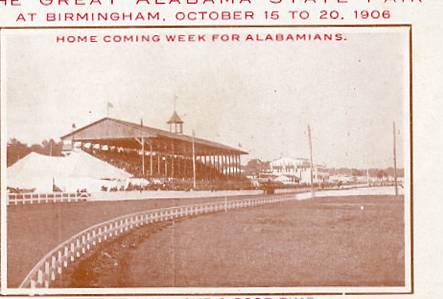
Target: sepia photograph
207	160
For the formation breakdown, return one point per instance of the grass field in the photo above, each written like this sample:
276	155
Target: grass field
34	230
320	242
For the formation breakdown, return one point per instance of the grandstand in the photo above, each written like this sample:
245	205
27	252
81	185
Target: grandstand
152	153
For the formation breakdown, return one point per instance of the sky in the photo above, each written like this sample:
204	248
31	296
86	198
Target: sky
257	95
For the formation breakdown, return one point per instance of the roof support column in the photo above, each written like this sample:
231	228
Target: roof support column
172	160
151	170
208	167
165	158
184	166
159	164
217	165
143	156
229	165
234	166
223	162
214	167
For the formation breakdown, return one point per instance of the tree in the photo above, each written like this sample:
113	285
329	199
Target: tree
51	148
256	166
356	172
381	174
15	150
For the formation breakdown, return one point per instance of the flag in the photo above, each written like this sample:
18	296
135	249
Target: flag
108	106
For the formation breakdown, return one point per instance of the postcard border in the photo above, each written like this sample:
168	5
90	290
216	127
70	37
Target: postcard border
411	154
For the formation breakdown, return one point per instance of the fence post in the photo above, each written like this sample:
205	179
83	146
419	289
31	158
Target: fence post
66	257
100	234
59	262
40	277
77	247
83	245
46	276
88	241
72	253
53	268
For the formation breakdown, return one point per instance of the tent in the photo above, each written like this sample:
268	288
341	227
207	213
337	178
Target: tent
79	170
283	179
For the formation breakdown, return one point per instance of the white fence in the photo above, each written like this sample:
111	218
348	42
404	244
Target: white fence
52	265
31	198
164	194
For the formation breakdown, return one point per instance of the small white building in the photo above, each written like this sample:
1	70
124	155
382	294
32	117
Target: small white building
298	170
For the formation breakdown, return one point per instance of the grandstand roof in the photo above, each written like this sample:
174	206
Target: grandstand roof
117	132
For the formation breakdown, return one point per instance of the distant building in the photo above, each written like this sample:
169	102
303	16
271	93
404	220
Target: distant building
297	170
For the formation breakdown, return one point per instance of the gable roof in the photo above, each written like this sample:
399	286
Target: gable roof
111	129
175	119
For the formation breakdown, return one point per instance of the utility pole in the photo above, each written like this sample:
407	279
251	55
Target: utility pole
395	160
312	162
194	179
143	147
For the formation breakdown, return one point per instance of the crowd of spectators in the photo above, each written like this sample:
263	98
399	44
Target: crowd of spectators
208	177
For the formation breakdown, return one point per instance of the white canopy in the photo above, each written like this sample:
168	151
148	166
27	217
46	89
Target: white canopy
76	171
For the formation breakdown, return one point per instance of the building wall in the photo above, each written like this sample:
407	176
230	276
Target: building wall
299	169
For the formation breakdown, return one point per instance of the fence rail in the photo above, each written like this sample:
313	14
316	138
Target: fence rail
31	198
52	265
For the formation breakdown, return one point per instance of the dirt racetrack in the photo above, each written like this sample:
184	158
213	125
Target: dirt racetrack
349	241
34	230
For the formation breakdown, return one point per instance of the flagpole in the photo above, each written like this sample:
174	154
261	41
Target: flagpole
312	162
108	106
395	159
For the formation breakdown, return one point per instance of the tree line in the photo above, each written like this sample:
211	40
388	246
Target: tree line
255	167
17	150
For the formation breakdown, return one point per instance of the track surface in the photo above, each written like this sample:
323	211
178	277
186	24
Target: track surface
34	230
320	242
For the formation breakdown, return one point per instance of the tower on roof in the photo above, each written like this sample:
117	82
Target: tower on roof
175	122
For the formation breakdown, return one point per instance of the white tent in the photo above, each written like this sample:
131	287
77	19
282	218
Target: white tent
79	170
283	179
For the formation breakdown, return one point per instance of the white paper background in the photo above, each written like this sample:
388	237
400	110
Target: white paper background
428	141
